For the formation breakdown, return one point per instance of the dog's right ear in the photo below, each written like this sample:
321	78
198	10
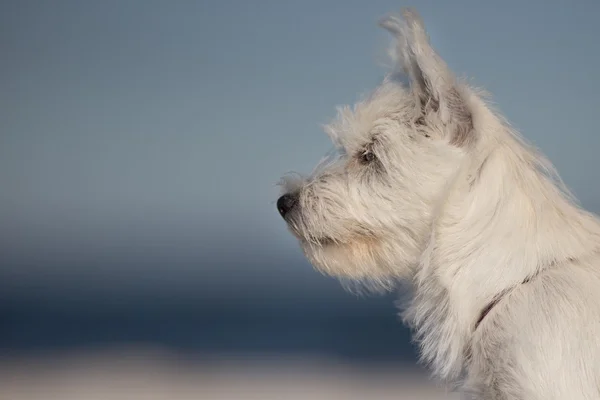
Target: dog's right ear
432	82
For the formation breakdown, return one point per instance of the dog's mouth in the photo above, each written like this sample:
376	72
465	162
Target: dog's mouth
321	241
309	240
296	225
328	241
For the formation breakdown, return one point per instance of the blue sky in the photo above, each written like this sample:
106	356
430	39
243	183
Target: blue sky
148	136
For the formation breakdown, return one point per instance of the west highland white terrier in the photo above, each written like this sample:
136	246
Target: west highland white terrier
430	186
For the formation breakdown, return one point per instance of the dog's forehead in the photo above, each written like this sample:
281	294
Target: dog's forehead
353	126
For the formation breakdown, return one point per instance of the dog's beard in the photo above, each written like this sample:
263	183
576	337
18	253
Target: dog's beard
355	263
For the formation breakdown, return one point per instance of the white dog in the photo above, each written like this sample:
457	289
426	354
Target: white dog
432	187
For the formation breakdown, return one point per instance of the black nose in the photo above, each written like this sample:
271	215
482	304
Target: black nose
286	202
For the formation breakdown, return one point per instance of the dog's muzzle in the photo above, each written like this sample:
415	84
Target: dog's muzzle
287	203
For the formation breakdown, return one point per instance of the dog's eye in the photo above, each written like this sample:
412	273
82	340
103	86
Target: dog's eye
367	157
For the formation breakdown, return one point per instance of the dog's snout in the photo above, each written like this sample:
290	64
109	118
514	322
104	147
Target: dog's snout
286	203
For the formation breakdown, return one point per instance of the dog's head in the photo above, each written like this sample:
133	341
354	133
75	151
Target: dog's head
366	213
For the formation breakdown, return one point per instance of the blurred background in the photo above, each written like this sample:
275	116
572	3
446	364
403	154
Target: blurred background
141	254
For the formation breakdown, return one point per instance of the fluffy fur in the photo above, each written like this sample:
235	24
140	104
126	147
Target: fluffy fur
431	186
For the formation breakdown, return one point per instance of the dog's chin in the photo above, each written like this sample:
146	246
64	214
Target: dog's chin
357	264
358	258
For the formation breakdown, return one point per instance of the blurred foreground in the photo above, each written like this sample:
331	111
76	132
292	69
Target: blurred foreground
173	345
153	374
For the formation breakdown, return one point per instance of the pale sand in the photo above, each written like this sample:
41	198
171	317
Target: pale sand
150	374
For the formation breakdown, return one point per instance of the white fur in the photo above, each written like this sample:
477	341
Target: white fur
460	206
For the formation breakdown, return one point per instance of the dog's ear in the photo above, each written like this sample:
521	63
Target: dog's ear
432	82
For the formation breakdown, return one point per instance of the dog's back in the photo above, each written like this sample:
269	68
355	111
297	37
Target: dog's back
541	342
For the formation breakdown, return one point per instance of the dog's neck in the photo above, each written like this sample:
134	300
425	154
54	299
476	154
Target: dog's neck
503	221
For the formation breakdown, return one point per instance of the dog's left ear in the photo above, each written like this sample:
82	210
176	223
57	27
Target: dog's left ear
432	82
